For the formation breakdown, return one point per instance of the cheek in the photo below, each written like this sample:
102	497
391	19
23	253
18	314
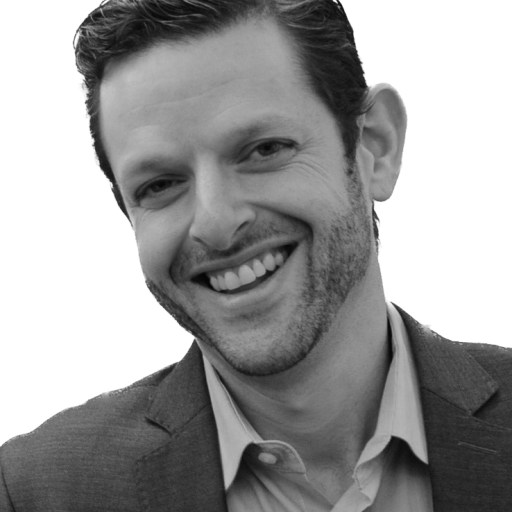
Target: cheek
158	241
306	192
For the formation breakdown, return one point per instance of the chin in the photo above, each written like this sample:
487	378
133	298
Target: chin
248	355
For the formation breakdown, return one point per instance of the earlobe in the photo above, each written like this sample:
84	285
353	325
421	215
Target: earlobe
383	137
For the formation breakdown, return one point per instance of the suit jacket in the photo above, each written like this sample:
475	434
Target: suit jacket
153	446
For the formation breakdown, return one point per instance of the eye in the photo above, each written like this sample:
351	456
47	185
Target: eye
270	148
156	187
159	191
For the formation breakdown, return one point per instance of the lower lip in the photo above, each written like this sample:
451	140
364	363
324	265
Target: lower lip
265	295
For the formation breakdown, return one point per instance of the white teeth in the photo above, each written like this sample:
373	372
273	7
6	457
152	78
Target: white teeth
232	280
269	262
258	268
246	275
215	284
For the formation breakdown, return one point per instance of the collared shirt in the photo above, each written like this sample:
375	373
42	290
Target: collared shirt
391	474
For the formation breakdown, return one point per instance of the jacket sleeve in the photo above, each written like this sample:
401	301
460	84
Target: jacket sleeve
5	501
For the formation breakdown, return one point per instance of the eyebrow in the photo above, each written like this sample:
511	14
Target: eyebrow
255	128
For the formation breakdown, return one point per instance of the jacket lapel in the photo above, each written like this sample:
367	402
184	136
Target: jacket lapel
469	459
185	474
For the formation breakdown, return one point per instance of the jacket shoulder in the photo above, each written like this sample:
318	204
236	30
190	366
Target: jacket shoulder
125	406
476	377
91	442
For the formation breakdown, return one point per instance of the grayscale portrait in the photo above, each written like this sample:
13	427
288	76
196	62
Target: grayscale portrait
315	193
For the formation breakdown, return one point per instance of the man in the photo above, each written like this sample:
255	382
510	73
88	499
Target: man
246	150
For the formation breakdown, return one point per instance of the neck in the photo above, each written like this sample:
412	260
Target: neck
327	405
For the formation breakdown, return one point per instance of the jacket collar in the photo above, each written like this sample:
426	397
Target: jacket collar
185	473
184	388
447	369
469	458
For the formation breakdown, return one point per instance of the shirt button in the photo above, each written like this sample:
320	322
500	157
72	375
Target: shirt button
267	458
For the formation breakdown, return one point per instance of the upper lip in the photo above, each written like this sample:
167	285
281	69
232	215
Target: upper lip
241	257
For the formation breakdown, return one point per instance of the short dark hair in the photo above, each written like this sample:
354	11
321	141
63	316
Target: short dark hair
320	30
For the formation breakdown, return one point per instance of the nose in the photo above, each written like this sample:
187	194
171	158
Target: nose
221	212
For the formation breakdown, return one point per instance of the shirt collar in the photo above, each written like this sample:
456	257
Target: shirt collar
234	430
400	413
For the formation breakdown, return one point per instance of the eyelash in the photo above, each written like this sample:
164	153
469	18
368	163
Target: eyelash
145	189
272	142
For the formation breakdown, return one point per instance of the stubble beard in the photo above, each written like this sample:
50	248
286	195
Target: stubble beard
339	262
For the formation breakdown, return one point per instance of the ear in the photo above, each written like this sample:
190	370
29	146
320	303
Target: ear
382	140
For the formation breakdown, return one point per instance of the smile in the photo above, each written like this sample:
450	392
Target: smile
249	274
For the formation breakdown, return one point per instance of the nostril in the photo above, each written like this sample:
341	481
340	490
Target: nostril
222	226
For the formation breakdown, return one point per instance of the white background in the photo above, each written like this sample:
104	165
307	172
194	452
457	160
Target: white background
76	318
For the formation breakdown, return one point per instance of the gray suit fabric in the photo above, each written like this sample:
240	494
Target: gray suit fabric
153	446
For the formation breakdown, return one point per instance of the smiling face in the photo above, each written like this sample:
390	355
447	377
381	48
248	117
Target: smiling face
250	229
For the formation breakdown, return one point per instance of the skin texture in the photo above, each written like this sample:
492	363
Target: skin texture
222	152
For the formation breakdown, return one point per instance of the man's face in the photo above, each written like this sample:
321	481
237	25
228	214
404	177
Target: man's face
250	231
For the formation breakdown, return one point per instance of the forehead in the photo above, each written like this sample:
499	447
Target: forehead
177	91
257	50
236	49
